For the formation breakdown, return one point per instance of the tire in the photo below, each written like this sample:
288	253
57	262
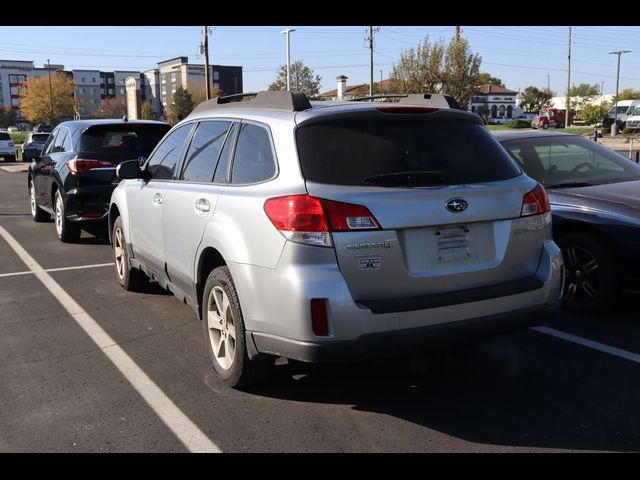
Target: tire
67	231
225	334
590	283
131	279
9	158
545	125
37	213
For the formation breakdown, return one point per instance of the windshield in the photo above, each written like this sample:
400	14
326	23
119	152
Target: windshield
570	161
636	112
621	110
384	150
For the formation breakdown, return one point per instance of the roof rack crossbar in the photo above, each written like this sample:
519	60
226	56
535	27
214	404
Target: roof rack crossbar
270	100
375	97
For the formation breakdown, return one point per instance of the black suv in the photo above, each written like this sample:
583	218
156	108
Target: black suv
75	175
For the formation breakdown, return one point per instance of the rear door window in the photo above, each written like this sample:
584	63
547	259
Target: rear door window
4	136
363	150
204	150
254	160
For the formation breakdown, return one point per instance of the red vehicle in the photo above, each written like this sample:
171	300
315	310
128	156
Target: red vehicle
551	117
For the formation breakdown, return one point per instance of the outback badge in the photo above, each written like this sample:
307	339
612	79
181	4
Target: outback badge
457	205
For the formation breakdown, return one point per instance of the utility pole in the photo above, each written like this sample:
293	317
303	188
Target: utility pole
614	127
207	86
548	82
601	91
566	120
287	32
380	86
50	90
457	33
370	40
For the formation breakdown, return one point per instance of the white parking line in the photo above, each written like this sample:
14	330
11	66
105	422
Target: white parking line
28	272
618	352
187	432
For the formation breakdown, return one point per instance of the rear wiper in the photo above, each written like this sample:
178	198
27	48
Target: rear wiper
569	184
414	178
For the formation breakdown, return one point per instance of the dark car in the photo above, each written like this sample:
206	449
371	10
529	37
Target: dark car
42	128
32	146
595	203
75	175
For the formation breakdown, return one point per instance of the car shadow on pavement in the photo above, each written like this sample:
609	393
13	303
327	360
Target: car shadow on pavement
507	391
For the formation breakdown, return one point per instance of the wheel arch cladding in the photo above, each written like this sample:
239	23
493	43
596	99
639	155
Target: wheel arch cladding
210	259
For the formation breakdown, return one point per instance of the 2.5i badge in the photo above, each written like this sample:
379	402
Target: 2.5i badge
371	262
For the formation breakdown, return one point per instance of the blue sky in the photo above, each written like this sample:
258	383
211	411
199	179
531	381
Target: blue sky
520	56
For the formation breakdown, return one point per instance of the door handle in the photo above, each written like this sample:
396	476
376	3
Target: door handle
202	205
157	199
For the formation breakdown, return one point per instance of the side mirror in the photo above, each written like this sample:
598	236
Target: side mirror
128	170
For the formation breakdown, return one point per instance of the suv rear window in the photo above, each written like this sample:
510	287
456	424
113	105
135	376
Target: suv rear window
39	137
347	151
121	142
5	136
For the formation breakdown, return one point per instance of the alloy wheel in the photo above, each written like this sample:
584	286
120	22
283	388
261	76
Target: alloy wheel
582	274
221	328
118	252
59	213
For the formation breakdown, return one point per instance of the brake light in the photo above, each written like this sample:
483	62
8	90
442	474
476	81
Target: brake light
309	220
535	202
403	109
81	166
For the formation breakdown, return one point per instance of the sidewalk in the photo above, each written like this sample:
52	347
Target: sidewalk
14	167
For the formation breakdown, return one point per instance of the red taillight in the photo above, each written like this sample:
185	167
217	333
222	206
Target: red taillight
81	166
403	109
535	202
307	219
319	321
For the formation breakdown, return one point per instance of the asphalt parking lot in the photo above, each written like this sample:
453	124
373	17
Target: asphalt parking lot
146	384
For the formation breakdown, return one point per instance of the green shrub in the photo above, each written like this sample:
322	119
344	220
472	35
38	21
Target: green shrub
518	123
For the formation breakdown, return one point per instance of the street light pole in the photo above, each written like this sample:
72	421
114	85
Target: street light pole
207	83
50	91
614	127
287	32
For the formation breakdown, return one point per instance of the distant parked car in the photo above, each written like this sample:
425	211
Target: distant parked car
32	146
42	128
74	177
7	148
13	129
595	203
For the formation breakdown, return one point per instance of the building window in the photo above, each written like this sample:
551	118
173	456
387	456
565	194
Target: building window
173	76
501	110
81	90
509	111
111	92
494	111
93	101
121	91
110	80
82	79
216	75
93	80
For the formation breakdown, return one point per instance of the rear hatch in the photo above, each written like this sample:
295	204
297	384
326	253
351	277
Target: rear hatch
102	147
416	173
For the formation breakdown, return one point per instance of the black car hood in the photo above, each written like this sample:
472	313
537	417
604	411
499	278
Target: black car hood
622	197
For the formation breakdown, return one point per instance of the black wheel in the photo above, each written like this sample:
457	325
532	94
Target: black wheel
131	279
67	231
224	334
37	213
590	279
9	158
545	125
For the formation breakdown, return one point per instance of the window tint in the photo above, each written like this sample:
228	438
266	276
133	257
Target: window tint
225	157
204	151
48	146
120	142
4	136
59	142
561	160
162	164
358	151
253	161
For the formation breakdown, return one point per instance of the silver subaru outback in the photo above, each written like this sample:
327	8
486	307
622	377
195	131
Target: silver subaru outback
334	231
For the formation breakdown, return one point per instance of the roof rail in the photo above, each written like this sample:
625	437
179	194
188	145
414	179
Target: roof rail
375	97
435	100
270	100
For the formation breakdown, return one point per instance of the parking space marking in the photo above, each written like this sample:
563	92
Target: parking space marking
187	432
60	269
618	352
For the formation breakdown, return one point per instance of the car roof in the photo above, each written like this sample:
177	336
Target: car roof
505	135
106	121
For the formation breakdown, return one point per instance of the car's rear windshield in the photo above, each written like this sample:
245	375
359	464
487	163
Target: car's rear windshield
362	151
121	142
39	137
5	136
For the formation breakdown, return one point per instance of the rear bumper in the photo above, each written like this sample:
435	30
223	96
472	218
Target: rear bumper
88	203
397	342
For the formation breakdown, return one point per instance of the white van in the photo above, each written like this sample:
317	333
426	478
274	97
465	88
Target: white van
625	109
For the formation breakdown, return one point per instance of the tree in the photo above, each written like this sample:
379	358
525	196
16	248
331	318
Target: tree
487	78
582	95
35	100
592	114
419	69
7	117
533	99
181	106
302	79
627	94
112	107
461	71
146	111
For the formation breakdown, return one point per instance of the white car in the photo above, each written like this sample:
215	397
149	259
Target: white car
633	121
7	148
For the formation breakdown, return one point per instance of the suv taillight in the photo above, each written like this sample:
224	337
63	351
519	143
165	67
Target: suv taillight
81	166
309	220
535	202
